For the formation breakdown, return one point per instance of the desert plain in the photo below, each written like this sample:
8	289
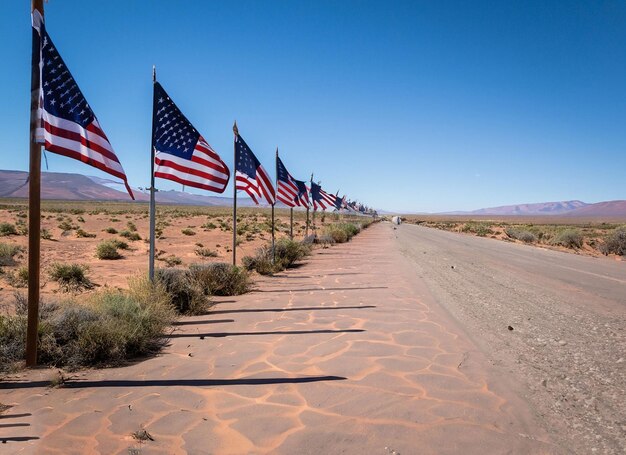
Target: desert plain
405	340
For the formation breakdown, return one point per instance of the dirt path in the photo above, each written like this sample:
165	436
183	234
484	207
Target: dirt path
567	317
349	354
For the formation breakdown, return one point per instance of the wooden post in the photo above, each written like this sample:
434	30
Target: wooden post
236	131
152	189
34	202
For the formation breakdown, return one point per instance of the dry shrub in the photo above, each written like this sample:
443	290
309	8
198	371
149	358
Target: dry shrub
615	242
109	328
7	229
286	254
221	278
71	277
7	253
342	232
186	293
521	234
569	238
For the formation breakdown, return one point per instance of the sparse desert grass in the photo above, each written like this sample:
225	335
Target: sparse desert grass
108	328
206	252
71	277
521	234
7	229
81	233
46	234
18	278
132	236
172	261
8	253
108	250
131	226
188	231
584	236
110	230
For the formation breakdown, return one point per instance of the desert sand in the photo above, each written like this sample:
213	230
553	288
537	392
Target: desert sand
348	353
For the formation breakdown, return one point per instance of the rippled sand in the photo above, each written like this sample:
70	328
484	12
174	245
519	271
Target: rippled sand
346	354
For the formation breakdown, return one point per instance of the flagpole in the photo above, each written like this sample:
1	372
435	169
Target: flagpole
152	198
312	227
273	205
291	221
236	131
34	203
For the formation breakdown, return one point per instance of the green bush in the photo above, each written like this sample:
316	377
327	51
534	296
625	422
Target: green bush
131	226
188	231
80	233
132	236
110	230
615	242
221	279
108	250
65	226
569	238
119	244
46	235
341	232
287	252
109	328
71	277
7	229
8	252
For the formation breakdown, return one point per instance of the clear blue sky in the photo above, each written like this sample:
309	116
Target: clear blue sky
410	106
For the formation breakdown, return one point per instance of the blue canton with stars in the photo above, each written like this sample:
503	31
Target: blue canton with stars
283	175
245	161
61	95
172	132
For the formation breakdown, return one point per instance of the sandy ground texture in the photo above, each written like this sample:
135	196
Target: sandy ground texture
554	320
349	353
210	230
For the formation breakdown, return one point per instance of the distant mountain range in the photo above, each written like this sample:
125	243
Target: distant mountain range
65	186
562	208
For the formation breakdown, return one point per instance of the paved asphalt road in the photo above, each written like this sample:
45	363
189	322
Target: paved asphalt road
555	321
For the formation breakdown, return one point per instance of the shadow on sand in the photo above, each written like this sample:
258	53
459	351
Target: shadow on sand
79	384
280	310
276	332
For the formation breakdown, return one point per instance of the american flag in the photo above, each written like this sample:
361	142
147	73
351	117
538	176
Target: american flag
320	197
250	176
182	154
66	124
340	202
286	187
303	194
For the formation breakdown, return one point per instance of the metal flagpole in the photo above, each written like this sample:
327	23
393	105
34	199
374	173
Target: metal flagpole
152	190
236	131
273	205
34	202
291	220
313	227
